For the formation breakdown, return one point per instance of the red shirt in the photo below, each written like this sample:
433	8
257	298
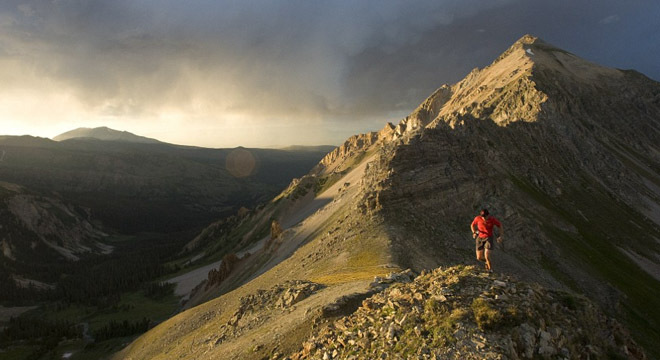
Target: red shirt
486	226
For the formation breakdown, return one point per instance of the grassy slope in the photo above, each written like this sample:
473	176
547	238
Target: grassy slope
595	245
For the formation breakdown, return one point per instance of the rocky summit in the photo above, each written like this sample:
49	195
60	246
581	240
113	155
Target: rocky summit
562	151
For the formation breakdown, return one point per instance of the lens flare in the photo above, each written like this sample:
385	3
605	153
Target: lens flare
241	163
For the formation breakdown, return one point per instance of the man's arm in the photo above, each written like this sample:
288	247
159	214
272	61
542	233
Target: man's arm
501	233
474	232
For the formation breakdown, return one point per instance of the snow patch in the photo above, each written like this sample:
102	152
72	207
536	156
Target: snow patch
185	283
529	51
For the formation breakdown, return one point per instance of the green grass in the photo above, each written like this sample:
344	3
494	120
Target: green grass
133	306
441	322
326	182
552	267
137	306
366	255
486	316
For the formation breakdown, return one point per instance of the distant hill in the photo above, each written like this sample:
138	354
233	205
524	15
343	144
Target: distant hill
105	134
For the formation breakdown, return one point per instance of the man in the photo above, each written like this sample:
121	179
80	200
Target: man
483	235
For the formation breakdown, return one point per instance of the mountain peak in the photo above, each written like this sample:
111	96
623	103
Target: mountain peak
104	133
528	39
516	85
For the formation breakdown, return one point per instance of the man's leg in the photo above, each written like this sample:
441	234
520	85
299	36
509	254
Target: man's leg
480	255
487	253
479	247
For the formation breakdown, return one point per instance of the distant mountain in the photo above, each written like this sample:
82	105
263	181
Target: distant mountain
105	134
563	151
318	148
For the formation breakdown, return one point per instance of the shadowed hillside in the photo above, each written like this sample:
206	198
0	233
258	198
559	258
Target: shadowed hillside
133	187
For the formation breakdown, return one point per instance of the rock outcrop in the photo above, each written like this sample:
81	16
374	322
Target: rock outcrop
216	276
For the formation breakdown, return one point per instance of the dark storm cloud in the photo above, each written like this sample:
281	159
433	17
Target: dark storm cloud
334	60
612	33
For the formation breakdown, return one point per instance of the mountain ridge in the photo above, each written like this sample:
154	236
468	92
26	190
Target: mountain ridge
566	162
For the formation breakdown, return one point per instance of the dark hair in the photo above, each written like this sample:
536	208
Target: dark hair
484	212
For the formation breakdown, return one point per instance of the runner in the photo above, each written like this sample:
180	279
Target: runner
483	235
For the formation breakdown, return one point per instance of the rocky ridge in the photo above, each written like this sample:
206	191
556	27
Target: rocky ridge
462	313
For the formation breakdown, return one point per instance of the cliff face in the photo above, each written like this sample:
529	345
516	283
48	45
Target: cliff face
564	152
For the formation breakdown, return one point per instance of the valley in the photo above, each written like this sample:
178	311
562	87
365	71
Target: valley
92	229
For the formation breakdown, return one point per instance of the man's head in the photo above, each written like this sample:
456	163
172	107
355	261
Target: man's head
484	212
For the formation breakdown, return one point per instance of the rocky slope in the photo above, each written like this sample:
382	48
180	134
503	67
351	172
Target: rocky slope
561	150
31	221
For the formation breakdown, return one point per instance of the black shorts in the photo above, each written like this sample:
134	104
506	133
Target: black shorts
484	243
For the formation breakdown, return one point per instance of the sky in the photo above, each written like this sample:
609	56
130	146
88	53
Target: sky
276	73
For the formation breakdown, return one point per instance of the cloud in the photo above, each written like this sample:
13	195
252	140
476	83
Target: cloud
284	58
204	64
